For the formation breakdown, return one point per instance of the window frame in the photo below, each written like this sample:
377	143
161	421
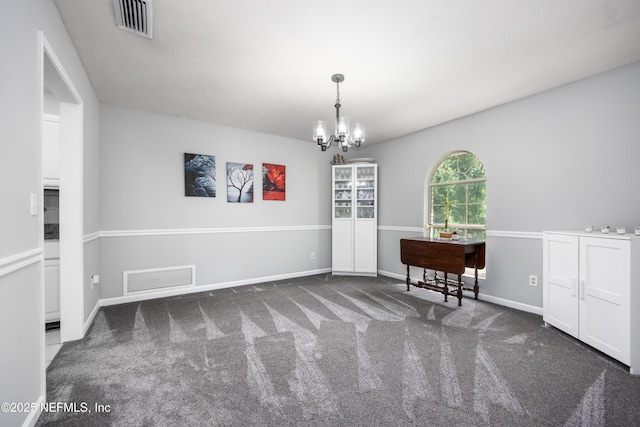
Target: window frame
429	185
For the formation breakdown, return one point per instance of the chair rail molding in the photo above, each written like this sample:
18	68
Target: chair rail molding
401	229
168	232
21	260
536	235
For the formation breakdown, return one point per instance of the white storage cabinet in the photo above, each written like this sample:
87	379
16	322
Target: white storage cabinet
591	290
354	243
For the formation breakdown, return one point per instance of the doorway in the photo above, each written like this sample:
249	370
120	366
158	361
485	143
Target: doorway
51	215
51	219
57	84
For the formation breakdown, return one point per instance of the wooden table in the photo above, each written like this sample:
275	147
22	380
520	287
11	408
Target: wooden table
446	256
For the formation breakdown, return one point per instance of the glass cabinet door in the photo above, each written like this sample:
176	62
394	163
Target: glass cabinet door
342	192
366	191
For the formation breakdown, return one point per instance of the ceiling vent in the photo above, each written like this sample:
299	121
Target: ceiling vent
135	16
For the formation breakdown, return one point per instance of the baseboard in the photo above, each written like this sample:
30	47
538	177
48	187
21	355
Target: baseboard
204	288
511	304
32	418
350	273
52	317
92	315
483	297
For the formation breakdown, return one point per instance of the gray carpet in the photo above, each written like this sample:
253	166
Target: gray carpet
331	350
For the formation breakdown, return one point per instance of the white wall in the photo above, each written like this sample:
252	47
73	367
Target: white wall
557	160
21	263
142	190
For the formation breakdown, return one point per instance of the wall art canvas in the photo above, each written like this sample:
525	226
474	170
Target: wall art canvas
199	175
239	182
273	181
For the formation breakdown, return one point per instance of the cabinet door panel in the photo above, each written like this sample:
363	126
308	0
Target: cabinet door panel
342	192
365	246
601	269
560	271
600	330
366	191
604	297
342	246
52	290
50	149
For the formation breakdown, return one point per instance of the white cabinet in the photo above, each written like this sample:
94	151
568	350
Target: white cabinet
51	150
354	241
591	290
51	290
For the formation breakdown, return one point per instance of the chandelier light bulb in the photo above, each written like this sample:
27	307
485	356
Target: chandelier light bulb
320	131
344	128
358	134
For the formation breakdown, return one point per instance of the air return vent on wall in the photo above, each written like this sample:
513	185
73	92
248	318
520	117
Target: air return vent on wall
158	279
135	16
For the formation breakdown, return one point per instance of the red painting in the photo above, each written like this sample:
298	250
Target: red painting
273	181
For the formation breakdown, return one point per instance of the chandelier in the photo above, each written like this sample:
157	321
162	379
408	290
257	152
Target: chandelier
344	136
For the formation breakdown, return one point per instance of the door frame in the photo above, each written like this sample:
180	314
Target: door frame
53	77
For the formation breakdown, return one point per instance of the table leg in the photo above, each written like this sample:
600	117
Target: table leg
459	293
476	288
408	277
446	289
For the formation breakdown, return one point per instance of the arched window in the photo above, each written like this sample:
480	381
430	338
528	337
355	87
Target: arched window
456	194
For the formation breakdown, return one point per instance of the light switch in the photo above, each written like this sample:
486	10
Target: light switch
34	204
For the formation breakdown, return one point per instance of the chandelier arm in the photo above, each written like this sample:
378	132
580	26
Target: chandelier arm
327	144
329	141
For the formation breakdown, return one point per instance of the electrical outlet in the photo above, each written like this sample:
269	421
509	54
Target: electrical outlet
313	255
533	280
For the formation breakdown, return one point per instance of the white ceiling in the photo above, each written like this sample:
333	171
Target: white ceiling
408	64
